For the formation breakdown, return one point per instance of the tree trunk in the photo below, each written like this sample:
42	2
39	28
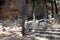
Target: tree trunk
52	9
22	8
45	8
56	10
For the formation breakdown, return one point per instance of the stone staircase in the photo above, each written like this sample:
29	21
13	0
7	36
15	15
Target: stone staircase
50	33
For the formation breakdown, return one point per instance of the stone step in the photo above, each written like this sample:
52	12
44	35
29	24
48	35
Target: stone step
47	28
48	36
49	32
57	30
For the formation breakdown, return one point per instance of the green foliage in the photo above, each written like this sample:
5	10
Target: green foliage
41	15
58	0
49	1
37	1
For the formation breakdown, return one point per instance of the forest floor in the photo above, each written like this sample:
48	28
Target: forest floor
8	35
16	37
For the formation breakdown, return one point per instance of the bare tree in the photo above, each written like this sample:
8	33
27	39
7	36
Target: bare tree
45	8
22	7
52	9
55	7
